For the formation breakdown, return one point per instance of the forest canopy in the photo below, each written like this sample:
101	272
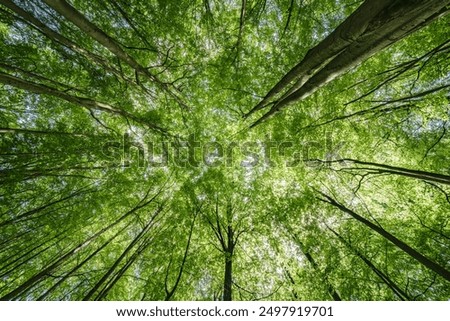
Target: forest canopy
224	150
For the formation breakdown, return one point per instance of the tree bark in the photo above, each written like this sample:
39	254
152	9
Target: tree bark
382	168
43	207
392	21
171	292
80	265
346	33
44	273
60	39
228	277
137	239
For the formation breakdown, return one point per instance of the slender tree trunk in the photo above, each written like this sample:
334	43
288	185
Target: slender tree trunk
228	277
46	271
43	207
438	269
331	290
402	295
428	176
26	257
228	241
60	39
87	103
171	292
138	238
117	276
78	19
382	168
37	132
80	265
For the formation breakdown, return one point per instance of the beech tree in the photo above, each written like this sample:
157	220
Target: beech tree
237	150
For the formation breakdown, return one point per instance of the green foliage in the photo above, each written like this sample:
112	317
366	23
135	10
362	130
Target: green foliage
78	185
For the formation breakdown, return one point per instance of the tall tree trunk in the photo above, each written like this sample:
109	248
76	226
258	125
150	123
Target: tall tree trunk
228	239
81	264
78	19
117	276
29	213
87	103
24	258
400	244
347	32
171	292
377	168
331	290
32	281
228	277
130	246
54	36
428	176
379	29
402	295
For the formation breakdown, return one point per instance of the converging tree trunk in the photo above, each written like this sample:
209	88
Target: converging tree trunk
79	20
170	292
331	290
402	295
442	271
376	168
374	26
228	238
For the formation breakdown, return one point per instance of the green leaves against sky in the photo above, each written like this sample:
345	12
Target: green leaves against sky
224	150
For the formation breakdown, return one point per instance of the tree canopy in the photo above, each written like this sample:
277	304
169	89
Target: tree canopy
224	150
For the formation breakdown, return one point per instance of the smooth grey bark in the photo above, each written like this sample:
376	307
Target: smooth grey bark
347	32
380	28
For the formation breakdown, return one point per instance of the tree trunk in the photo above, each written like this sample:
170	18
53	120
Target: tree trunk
58	38
402	295
347	32
80	265
228	280
382	168
43	207
376	30
137	239
117	276
331	290
171	292
87	103
44	273
78	19
401	245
